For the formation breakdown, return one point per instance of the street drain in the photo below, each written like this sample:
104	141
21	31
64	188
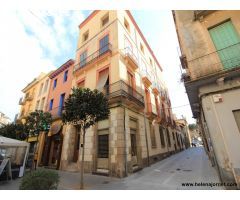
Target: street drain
178	169
105	182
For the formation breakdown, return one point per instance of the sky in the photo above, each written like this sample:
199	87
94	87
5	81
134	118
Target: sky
35	41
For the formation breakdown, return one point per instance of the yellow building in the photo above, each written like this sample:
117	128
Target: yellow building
35	98
114	57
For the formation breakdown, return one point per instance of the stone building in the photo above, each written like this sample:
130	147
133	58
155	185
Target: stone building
113	56
210	47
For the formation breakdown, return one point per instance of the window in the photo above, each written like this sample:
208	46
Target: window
42	103
40	90
173	136
37	105
83	59
236	114
168	137
65	76
55	84
105	19
51	105
81	84
162	136
226	39
152	134
46	85
150	60
104	46
141	47
61	104
103	80
85	36
103	143
177	139
126	24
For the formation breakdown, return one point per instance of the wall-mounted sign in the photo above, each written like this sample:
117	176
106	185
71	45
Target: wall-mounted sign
217	98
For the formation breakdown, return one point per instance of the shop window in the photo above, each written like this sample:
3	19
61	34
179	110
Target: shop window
103	143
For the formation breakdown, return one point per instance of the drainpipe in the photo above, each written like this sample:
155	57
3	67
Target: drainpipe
148	161
125	140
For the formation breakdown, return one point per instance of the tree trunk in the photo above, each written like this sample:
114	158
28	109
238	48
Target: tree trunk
36	152
82	165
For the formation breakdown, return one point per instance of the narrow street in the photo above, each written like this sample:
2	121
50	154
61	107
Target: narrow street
189	166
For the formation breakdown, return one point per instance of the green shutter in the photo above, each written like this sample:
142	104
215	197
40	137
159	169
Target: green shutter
226	39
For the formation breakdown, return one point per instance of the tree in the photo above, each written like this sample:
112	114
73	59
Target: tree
14	131
37	122
83	109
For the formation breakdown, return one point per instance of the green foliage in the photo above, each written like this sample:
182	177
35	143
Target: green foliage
192	126
85	107
38	121
14	131
40	179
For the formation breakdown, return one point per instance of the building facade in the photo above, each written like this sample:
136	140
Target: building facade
210	47
60	84
35	98
114	57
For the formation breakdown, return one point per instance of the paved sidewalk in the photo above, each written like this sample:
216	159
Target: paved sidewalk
189	166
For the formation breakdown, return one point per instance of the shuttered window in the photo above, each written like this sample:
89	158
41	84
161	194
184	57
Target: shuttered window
83	59
104	44
225	37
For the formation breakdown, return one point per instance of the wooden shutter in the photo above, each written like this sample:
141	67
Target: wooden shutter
225	38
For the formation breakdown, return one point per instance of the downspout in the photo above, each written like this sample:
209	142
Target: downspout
125	139
148	161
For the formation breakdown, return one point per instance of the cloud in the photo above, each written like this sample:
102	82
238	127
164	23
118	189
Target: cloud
33	42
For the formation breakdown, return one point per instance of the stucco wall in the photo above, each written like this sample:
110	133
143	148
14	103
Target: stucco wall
225	135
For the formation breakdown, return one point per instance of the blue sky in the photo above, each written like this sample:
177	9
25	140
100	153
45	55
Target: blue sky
34	41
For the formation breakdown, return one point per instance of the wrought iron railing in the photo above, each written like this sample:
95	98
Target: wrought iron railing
222	60
97	54
129	52
120	88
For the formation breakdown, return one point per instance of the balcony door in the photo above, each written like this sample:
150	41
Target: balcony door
103	81
103	44
131	83
227	43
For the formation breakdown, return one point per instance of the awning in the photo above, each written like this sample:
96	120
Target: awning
8	142
55	128
103	76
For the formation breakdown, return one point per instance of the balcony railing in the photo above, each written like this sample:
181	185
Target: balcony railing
131	57
219	61
93	57
121	89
